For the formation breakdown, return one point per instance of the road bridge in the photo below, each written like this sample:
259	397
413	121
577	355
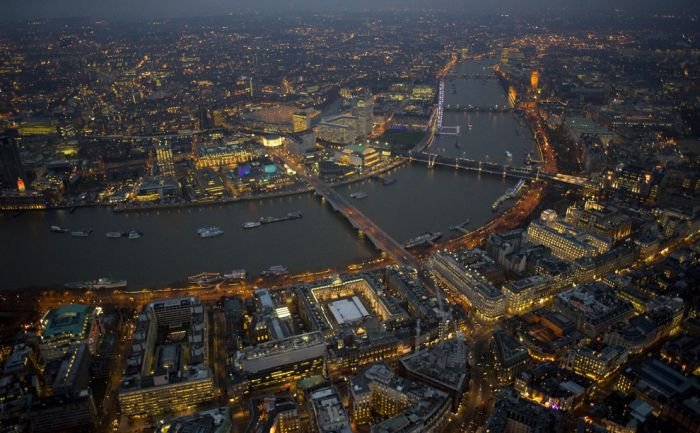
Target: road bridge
526	172
382	240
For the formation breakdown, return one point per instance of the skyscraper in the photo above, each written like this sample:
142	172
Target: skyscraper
164	158
534	79
363	110
12	168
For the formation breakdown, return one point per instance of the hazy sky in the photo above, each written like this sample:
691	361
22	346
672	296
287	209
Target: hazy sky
134	9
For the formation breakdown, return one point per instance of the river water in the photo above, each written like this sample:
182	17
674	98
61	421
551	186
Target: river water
420	200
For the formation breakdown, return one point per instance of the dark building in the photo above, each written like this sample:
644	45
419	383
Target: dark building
12	168
64	413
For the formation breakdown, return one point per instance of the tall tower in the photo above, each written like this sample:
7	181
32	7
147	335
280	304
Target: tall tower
12	168
534	79
164	158
363	110
512	96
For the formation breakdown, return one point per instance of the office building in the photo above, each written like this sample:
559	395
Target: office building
594	218
662	317
660	384
277	362
164	158
513	414
327	412
63	413
592	307
363	111
216	420
527	293
10	160
443	366
346	302
403	404
217	156
552	387
423	93
274	414
488	301
341	129
74	373
301	121
564	240
510	357
166	370
595	360
548	334
66	327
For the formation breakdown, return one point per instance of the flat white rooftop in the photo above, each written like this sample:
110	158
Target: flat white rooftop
348	310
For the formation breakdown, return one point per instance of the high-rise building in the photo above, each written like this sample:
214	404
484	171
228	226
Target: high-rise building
164	158
12	168
512	96
534	79
363	110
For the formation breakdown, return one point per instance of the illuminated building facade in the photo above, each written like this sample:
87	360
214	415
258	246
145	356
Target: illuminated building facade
66	327
342	302
273	140
513	414
564	240
552	386
359	156
512	96
164	158
276	362
534	79
596	220
402	402
510	357
489	302
279	414
594	360
525	294
363	111
217	156
422	93
592	307
166	370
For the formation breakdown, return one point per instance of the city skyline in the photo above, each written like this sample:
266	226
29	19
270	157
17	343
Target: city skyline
344	219
150	9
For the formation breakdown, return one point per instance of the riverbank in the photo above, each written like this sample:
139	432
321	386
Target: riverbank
305	190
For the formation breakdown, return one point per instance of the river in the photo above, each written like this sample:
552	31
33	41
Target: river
420	200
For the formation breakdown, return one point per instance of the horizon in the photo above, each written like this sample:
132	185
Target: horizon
135	10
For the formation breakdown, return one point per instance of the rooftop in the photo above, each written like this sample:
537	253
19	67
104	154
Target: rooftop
69	319
444	363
